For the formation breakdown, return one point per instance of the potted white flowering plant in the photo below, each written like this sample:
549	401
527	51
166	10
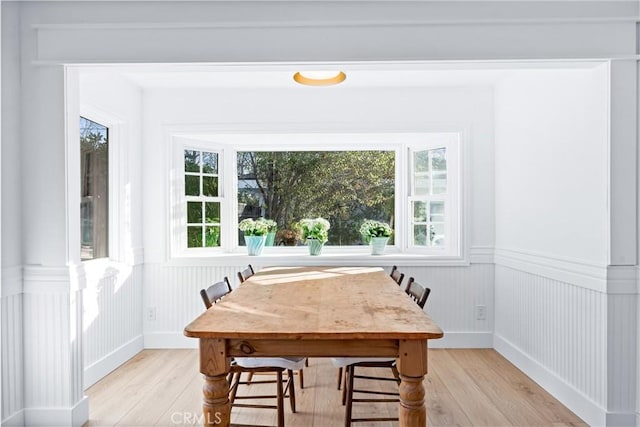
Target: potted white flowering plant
255	234
376	234
315	233
272	228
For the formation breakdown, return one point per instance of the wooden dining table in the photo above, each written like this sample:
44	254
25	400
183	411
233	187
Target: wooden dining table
315	312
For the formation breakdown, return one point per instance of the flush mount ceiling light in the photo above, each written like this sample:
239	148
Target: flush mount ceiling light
319	78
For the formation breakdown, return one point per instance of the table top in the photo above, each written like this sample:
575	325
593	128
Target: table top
316	303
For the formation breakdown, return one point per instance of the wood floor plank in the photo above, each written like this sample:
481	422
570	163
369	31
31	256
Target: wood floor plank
108	404
163	388
516	408
173	376
474	402
442	408
549	410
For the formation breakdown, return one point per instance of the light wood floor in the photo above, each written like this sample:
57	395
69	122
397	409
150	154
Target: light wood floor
464	388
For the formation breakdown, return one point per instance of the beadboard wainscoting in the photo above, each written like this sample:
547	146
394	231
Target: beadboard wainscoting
11	348
172	300
573	337
52	307
112	320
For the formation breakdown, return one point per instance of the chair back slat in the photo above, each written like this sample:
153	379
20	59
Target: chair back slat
214	292
396	275
246	273
417	292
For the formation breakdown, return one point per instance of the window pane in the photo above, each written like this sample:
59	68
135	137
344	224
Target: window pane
439	159
194	237
212	237
419	211
191	161
421	161
194	212
210	186
436	212
94	187
420	235
423	185
212	212
192	185
210	162
344	187
439	183
437	234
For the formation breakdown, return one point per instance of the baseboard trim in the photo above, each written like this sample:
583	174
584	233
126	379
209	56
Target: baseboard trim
168	340
463	340
50	417
99	369
14	420
573	399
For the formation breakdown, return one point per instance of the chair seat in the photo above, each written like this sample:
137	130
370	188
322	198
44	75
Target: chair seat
293	363
341	362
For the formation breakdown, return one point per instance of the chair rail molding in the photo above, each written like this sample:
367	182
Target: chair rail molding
47	279
606	279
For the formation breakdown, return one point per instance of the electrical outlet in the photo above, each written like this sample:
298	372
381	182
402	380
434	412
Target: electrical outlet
481	312
151	314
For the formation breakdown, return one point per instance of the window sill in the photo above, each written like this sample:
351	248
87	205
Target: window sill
300	256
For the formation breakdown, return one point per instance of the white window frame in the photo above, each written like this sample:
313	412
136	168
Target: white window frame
453	224
117	168
178	210
228	144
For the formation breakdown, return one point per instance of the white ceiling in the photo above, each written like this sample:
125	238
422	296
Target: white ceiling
359	75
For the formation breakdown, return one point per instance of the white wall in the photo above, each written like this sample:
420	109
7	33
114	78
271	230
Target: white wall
551	165
112	298
554	315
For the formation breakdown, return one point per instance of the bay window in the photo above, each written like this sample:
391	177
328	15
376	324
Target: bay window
411	181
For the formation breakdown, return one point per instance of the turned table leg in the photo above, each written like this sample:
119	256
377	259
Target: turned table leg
412	411
412	365
215	365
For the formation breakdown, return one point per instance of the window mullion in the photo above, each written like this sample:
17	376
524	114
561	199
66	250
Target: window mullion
229	221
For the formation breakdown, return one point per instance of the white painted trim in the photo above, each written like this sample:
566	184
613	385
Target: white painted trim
622	279
302	258
481	254
311	23
77	277
135	256
463	340
99	369
49	417
613	279
11	281
575	400
450	340
168	340
38	279
14	420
